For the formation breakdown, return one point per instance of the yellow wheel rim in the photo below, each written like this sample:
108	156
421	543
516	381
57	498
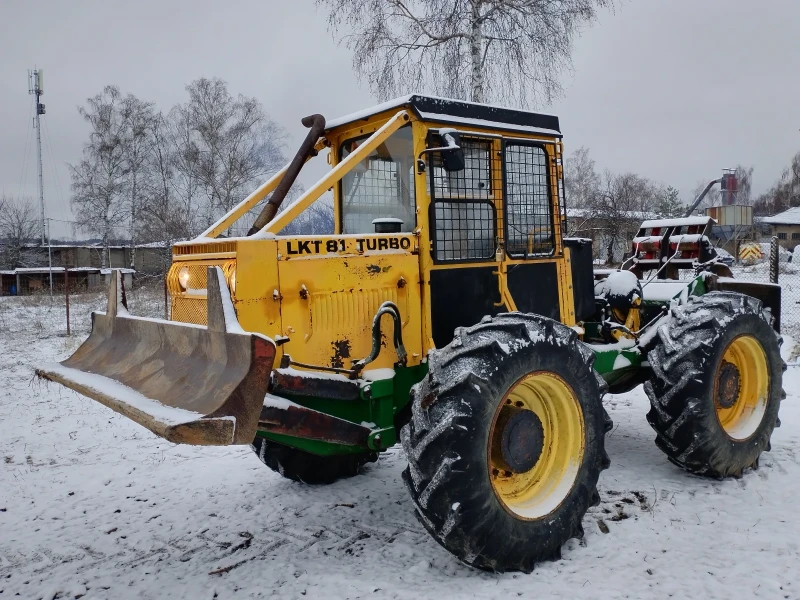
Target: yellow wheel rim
741	387
539	490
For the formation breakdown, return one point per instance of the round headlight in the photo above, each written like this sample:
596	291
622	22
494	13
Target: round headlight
232	281
183	277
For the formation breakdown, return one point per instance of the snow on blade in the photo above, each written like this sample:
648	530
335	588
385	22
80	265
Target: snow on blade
271	401
106	386
231	320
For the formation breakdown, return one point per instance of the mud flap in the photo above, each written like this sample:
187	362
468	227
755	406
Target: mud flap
189	384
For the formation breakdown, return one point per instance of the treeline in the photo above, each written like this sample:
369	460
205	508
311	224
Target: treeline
784	194
614	192
148	175
607	206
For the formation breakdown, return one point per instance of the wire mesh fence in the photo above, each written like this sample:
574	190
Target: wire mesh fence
44	314
782	270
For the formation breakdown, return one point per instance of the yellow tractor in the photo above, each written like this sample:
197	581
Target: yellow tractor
447	312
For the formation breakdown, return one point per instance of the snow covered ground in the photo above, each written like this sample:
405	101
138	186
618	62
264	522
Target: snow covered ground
94	506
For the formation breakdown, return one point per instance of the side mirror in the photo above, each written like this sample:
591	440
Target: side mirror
451	151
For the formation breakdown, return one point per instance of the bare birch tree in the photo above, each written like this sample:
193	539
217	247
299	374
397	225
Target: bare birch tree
744	185
152	177
19	225
784	194
138	121
620	204
581	180
99	179
227	144
167	213
479	50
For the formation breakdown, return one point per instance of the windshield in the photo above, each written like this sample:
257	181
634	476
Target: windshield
381	186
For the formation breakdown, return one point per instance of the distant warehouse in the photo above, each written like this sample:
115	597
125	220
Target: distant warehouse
84	260
31	280
786	227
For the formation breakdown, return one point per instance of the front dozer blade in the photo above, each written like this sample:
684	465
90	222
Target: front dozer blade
189	384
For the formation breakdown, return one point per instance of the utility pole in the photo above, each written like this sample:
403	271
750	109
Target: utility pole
36	87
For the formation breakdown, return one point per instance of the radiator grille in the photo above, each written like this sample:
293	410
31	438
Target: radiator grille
341	311
189	310
205	248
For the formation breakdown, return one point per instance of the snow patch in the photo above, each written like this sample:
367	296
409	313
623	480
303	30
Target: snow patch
271	401
622	344
312	374
685	221
664	291
196	292
621	362
377	374
618	283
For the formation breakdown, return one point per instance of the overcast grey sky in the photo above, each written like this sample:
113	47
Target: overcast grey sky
674	90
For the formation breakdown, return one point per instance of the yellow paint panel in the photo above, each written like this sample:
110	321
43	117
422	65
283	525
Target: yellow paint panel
255	299
329	301
566	292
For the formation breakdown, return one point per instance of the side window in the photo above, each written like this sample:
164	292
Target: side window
529	210
381	186
464	231
462	212
471	183
782	235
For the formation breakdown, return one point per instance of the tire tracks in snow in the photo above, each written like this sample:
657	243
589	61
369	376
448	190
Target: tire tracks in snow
223	549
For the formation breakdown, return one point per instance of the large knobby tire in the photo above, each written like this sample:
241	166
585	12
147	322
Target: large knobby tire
492	375
716	384
305	467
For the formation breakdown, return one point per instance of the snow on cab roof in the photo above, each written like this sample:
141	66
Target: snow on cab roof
460	112
787	217
676	222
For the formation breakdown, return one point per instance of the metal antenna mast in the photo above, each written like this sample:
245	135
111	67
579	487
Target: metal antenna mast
36	87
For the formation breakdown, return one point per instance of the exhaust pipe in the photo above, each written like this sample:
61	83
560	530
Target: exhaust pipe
317	125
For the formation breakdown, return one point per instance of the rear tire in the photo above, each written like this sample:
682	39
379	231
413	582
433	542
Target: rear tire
716	388
299	465
487	516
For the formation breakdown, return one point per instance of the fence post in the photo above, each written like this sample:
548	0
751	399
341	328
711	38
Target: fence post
774	257
66	294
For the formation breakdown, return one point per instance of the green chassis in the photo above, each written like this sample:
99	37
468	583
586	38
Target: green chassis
382	400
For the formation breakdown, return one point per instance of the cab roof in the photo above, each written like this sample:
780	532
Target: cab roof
460	113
